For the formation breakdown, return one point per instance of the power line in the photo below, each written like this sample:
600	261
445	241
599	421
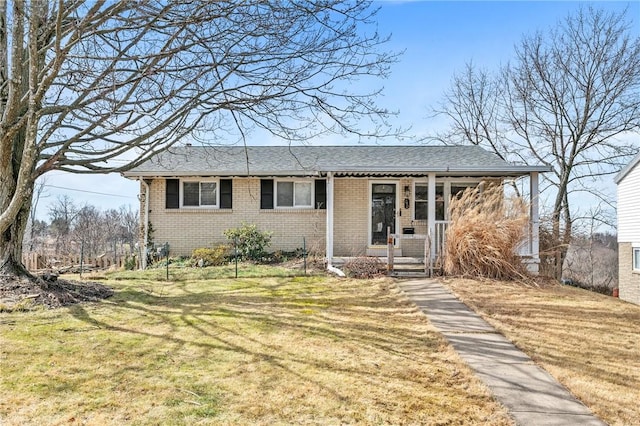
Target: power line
89	192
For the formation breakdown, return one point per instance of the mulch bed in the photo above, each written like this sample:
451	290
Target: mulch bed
53	293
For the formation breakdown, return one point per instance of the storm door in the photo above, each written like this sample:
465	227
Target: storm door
383	211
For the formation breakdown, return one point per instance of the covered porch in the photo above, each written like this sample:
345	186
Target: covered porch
416	215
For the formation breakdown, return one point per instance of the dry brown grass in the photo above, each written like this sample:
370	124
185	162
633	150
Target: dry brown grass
588	341
484	234
265	351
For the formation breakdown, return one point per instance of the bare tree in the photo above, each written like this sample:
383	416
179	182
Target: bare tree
86	83
592	257
129	224
36	227
62	214
565	101
89	231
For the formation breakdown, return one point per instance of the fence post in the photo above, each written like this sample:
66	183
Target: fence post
389	251
427	255
304	254
81	257
235	253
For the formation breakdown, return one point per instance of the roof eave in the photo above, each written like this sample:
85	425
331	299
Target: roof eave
627	169
476	171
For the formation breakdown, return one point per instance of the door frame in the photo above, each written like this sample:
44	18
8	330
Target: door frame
370	207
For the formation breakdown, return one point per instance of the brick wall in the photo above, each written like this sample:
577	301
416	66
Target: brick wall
351	217
186	229
628	280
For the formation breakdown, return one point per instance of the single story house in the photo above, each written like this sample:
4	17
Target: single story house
628	181
341	199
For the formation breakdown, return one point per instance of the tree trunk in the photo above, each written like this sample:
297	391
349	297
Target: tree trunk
11	245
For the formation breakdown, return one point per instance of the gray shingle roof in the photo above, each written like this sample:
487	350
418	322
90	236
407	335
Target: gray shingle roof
318	160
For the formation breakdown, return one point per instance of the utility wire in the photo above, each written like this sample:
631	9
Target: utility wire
89	192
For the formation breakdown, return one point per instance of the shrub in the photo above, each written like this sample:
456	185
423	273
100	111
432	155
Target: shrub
485	233
216	256
364	267
130	263
250	242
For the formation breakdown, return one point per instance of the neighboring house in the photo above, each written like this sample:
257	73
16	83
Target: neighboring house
341	199
628	181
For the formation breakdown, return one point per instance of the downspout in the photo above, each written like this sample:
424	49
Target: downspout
145	237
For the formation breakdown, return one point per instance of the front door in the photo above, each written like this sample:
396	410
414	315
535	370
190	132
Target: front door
383	211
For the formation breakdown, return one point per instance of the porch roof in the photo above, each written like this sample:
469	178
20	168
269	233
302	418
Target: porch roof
347	160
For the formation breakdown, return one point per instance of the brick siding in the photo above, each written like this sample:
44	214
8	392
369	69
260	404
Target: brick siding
187	229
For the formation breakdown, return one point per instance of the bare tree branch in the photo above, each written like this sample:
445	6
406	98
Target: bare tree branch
567	101
85	83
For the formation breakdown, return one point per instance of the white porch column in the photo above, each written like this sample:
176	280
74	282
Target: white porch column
534	215
431	212
329	224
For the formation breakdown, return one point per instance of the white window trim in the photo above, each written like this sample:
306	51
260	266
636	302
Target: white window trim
635	248
200	207
413	201
310	182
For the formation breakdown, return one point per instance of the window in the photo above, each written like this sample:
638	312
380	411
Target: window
420	203
199	194
444	192
636	259
294	194
458	189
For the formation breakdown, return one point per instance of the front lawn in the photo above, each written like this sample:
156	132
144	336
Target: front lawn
278	350
588	341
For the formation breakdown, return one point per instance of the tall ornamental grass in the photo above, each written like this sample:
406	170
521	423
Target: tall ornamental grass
484	234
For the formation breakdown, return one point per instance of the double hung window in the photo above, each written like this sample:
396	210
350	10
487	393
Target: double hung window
199	194
421	203
294	194
445	191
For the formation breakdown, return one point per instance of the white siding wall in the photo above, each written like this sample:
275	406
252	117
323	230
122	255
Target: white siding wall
629	207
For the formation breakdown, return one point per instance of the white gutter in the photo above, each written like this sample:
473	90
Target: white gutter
143	261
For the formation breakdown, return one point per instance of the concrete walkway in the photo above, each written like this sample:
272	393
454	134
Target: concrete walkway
530	394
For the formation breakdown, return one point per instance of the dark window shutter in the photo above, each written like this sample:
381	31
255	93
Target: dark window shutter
172	199
321	194
266	193
226	195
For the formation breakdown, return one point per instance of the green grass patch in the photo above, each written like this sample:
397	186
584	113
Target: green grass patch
276	349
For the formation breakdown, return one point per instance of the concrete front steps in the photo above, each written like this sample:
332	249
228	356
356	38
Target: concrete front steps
403	266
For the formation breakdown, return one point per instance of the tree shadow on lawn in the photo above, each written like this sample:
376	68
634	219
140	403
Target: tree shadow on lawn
341	315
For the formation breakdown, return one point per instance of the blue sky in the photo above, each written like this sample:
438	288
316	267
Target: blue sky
438	38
